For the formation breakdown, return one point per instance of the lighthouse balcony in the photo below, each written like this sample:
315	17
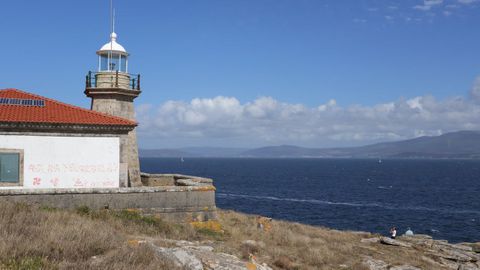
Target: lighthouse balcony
112	79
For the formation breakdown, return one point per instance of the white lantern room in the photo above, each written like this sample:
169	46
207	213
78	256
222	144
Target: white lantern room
112	57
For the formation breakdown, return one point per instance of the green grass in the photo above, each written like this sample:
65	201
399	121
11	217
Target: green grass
83	210
210	234
27	263
135	216
47	208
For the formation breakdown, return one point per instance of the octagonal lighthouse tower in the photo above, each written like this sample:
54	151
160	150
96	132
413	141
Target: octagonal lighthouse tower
112	90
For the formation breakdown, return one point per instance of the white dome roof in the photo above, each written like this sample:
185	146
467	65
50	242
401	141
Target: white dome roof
112	45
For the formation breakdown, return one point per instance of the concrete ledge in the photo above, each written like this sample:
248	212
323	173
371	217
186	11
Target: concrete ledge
154	180
37	191
174	203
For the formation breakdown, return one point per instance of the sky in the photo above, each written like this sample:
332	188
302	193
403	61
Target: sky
250	73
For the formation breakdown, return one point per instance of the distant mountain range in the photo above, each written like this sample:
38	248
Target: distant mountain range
461	144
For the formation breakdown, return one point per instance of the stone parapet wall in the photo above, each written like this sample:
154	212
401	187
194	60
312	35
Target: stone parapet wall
155	180
173	203
112	79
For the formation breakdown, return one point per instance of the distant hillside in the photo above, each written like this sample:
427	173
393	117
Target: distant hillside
455	144
461	144
193	152
214	151
158	153
284	151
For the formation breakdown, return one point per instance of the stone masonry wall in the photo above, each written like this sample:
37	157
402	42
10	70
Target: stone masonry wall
178	204
118	102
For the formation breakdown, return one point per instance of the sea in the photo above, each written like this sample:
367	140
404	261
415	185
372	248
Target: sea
440	198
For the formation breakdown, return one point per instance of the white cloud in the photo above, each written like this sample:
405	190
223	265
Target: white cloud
467	2
475	91
267	121
428	4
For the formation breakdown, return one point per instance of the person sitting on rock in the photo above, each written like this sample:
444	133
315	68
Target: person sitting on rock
393	232
409	232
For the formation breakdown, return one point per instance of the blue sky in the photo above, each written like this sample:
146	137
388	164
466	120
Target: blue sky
261	72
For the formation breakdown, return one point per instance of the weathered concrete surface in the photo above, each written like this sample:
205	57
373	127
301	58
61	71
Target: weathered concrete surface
174	203
154	180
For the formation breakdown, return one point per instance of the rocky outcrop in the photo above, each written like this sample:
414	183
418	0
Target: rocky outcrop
438	252
201	256
374	264
393	242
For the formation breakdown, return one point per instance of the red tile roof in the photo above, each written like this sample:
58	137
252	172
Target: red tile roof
54	112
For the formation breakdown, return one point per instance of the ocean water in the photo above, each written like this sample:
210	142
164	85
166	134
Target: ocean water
436	197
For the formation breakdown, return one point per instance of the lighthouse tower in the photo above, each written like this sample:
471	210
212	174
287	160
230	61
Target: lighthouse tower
112	90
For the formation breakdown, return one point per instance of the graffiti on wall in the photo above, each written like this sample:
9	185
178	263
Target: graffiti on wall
66	161
68	175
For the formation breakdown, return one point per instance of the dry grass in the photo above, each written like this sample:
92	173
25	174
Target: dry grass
45	238
36	238
297	246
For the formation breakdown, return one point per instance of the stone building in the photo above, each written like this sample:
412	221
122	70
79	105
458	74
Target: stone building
41	137
45	143
60	155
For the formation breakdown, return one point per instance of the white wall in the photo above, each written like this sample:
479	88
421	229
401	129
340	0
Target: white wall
67	162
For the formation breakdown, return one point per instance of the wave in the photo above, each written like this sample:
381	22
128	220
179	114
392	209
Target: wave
349	204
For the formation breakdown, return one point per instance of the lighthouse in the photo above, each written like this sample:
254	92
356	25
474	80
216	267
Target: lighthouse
112	91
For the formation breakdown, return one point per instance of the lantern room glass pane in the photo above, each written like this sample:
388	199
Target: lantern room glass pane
116	62
9	167
103	63
123	67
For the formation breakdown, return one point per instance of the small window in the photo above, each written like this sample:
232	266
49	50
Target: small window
11	167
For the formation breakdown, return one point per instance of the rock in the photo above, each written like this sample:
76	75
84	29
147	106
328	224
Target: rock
373	264
449	264
432	261
394	242
404	267
467	267
370	240
475	247
193	256
201	248
254	244
454	254
421	236
446	245
462	247
180	257
181	243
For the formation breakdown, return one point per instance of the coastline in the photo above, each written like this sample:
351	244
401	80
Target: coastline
36	237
